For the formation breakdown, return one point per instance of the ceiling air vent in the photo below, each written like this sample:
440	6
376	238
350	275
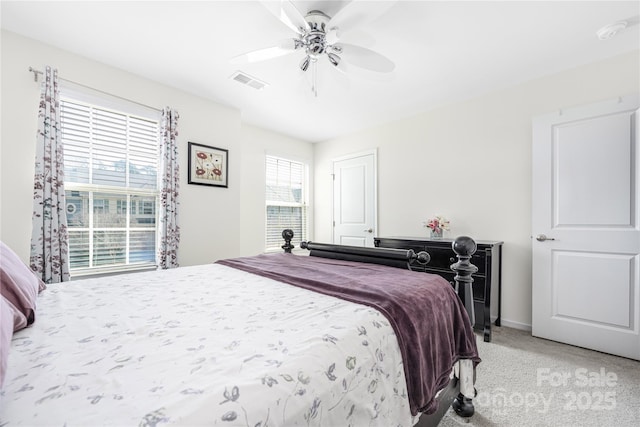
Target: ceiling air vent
246	79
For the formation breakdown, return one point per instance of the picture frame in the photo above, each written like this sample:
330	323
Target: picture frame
208	165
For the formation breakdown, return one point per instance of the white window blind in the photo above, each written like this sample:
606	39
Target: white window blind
111	187
286	201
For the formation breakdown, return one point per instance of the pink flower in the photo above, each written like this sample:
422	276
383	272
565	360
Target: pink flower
437	224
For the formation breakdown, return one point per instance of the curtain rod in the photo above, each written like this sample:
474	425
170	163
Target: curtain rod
35	79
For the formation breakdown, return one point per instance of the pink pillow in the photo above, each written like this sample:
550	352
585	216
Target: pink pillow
18	284
7	322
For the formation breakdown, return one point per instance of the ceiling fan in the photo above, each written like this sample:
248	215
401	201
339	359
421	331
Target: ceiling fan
318	35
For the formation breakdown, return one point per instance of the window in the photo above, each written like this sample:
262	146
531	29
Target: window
286	201
122	207
111	167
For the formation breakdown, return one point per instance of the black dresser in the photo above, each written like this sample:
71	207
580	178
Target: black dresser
487	282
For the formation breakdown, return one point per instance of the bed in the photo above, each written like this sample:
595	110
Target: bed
244	342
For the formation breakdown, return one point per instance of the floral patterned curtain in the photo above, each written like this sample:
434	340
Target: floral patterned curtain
49	239
169	229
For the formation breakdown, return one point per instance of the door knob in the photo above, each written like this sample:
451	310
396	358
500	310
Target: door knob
542	238
369	230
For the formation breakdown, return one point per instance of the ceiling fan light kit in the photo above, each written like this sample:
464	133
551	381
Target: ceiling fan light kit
319	35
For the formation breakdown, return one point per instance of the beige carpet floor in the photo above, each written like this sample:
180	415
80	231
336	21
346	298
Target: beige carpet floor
527	381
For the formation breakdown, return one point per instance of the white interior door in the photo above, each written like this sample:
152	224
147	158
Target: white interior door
585	227
354	199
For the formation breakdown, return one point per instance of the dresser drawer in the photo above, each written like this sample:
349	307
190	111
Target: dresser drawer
440	257
479	314
479	260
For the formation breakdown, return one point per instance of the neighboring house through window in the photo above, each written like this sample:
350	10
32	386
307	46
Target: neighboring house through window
286	200
111	183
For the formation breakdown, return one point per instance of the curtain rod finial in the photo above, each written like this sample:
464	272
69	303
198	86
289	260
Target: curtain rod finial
35	73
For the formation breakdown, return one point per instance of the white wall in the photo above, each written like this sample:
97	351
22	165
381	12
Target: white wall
258	143
212	220
471	162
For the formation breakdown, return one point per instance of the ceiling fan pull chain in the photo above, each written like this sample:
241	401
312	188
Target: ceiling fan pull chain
314	87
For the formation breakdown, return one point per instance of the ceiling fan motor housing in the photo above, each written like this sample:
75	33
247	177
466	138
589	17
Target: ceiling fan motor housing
314	39
317	20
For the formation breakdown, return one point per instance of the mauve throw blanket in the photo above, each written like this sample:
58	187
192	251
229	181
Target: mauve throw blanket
429	320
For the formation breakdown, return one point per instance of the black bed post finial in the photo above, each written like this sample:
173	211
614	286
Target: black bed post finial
287	235
465	247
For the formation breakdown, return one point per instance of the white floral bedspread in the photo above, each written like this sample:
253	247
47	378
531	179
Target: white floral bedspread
203	345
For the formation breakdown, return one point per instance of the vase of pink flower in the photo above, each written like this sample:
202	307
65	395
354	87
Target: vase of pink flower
437	226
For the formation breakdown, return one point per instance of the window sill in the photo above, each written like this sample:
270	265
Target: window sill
85	273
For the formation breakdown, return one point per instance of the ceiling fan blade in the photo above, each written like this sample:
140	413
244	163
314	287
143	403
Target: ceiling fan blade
358	12
333	35
366	58
284	47
286	12
360	74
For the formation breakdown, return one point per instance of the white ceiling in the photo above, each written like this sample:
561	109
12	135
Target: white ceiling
444	51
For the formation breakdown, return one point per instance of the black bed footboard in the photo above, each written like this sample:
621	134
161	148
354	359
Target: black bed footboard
401	258
463	246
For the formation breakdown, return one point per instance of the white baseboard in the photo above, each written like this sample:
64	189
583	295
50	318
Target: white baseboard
514	325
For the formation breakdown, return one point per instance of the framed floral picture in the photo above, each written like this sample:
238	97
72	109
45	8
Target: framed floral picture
208	165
